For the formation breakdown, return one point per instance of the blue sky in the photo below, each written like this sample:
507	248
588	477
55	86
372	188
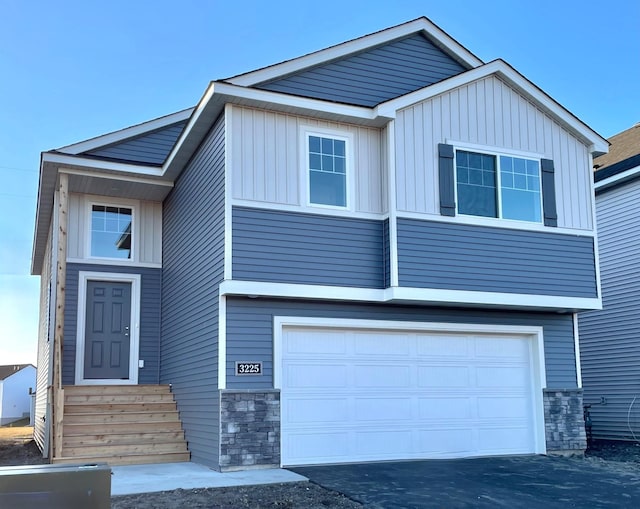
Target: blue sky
71	70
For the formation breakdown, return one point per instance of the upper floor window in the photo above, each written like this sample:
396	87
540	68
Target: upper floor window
503	186
327	167
111	232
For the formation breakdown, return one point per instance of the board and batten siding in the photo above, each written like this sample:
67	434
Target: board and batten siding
147	230
488	112
149	333
266	159
372	76
193	267
288	247
435	254
148	148
250	331
610	338
47	291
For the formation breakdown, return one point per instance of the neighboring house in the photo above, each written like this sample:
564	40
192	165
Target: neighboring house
610	338
375	251
16	383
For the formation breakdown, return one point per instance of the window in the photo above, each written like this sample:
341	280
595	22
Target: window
327	165
490	185
111	232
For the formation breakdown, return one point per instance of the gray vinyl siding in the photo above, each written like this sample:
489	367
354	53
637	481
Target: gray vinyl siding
610	338
193	266
373	76
289	247
250	331
147	148
478	258
149	319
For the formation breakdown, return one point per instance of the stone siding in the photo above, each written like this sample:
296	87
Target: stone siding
564	421
249	429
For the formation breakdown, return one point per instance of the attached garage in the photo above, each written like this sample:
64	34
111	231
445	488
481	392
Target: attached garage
370	391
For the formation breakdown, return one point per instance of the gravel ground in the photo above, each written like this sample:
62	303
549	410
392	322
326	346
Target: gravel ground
18	448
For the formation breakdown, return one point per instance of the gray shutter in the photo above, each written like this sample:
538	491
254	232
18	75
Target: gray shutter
549	193
447	181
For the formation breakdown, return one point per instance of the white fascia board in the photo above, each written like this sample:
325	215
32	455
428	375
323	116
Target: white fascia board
100	164
513	78
424	296
125	134
614	179
302	105
354	46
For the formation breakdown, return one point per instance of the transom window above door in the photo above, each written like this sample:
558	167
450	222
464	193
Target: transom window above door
111	232
496	185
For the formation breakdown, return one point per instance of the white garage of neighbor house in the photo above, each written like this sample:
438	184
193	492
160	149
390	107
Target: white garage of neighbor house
360	390
15	399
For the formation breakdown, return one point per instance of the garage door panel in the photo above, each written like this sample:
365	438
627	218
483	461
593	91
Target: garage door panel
318	410
445	408
497	376
382	375
503	407
309	375
383	409
440	346
443	376
379	344
441	442
435	396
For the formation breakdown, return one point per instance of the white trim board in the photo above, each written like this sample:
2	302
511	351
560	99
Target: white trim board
536	334
134	348
617	178
427	296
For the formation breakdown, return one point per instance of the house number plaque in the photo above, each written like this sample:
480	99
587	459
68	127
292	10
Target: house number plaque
248	368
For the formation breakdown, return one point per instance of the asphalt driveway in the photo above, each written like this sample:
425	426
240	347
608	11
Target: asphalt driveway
513	482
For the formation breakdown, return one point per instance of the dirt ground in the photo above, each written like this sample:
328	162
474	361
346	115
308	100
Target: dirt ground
18	448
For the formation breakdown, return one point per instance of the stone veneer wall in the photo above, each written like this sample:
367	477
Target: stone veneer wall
249	429
564	421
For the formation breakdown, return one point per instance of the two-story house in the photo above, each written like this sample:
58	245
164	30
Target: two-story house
375	251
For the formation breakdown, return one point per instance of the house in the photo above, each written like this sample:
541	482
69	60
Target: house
375	251
609	338
16	383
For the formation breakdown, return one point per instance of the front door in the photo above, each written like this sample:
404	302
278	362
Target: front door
107	330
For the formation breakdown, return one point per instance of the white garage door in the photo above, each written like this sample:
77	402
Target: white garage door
363	395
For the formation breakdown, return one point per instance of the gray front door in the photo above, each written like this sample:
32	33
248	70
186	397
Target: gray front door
107	334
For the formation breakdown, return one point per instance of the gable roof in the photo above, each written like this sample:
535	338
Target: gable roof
420	25
8	370
374	75
622	163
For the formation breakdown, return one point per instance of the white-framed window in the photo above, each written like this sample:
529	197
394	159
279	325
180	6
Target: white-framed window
327	163
500	185
111	231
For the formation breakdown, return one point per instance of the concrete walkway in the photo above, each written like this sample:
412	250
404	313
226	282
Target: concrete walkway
132	479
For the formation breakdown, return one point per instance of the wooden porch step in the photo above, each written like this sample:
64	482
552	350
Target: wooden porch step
116	389
118	408
93	418
123	438
127	459
121	449
72	430
102	399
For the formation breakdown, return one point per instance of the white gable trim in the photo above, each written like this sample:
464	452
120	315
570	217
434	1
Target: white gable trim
125	134
99	164
432	31
513	78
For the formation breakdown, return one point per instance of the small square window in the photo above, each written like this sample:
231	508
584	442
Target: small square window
327	169
111	232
